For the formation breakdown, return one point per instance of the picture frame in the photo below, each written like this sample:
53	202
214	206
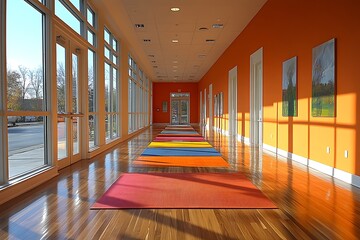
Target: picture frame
323	80
289	88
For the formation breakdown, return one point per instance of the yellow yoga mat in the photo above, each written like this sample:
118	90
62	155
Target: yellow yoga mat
180	145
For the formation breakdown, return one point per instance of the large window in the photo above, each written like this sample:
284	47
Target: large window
138	97
112	93
92	80
26	108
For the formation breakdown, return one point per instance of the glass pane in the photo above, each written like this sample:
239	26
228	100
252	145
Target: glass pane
175	112
25	70
76	133
92	131
114	92
91	81
90	16
76	3
184	112
114	45
107	53
107	87
62	133
107	126
60	78
75	84
64	14
26	149
91	37
115	126
107	36
114	59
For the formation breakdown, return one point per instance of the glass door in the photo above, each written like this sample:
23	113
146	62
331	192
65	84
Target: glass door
68	103
180	108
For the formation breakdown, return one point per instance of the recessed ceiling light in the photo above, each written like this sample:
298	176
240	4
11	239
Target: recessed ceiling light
147	40
218	25
139	25
203	29
175	9
175	41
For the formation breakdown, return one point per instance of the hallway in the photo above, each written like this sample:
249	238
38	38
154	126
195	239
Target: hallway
309	202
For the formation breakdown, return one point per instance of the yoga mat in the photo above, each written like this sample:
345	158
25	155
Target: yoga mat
178	132
182	190
184	139
179	145
180	152
150	161
179	135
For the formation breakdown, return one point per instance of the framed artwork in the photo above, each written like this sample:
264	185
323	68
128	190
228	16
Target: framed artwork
221	104
289	87
323	80
216	105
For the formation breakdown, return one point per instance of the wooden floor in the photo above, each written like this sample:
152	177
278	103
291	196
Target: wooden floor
311	205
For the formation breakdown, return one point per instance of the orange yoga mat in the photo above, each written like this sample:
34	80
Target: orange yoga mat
155	161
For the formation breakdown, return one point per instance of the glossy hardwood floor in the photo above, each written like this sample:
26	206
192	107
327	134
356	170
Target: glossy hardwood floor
311	205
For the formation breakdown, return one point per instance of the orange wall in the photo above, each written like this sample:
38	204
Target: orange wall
293	28
161	92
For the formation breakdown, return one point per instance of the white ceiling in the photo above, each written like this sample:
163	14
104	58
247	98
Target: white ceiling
190	58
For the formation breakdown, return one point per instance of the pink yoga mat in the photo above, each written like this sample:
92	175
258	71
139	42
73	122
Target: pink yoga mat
189	139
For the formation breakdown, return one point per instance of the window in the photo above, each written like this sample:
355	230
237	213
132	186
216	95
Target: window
68	15
112	91
92	100
138	97
26	81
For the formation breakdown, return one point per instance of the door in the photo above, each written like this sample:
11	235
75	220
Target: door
180	108
211	117
68	58
233	102
256	104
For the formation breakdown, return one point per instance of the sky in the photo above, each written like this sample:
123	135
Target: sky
24	33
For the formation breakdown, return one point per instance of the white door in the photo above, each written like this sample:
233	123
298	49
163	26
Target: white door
68	71
256	95
205	118
233	102
201	113
211	117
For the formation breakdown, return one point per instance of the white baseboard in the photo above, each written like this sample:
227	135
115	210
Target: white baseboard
331	171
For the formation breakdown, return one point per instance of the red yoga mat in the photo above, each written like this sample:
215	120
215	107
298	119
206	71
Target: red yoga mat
183	190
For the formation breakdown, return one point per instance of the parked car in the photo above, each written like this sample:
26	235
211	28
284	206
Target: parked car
13	120
30	118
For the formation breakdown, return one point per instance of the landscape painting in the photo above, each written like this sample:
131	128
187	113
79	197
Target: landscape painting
323	80
289	88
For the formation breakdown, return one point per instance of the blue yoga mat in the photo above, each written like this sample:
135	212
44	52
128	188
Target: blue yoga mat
178	132
180	152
